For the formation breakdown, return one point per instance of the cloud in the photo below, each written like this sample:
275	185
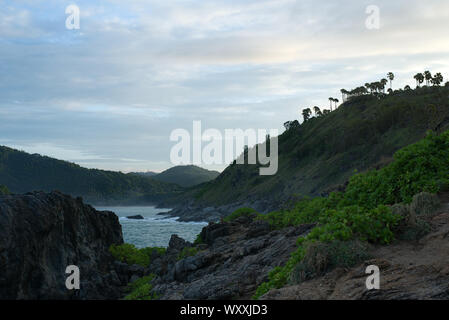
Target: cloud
136	70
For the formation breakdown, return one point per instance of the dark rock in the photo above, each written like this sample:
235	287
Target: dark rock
43	233
234	260
136	217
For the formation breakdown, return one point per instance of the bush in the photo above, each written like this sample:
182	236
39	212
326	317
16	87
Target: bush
424	204
415	232
322	257
129	254
187	252
141	288
198	239
420	167
4	190
239	213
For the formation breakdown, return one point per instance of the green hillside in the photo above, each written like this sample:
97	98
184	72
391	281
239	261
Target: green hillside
319	155
186	176
21	172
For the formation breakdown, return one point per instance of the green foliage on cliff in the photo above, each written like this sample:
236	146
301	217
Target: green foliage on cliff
322	153
240	212
4	190
23	172
187	252
141	288
129	254
361	212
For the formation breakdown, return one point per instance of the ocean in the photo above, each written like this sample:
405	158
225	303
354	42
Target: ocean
155	230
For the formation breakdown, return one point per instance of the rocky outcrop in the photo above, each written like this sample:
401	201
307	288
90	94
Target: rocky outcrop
136	217
42	233
234	258
192	212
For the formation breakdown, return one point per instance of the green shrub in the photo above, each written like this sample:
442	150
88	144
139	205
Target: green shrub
415	232
424	204
4	190
420	167
198	239
187	252
141	288
239	213
322	257
129	254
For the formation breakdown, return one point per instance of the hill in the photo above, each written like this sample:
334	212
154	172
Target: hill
186	176
144	174
21	172
319	155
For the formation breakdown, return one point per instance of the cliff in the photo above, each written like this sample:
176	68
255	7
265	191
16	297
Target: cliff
41	234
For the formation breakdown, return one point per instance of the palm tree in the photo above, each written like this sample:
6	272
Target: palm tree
428	77
306	114
384	83
390	77
330	101
437	79
336	101
317	111
326	112
419	77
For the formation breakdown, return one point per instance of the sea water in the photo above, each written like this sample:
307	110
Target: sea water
154	230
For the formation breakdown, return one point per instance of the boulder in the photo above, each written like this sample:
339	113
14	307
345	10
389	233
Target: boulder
42	234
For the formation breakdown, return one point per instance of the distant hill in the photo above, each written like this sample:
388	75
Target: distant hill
319	155
186	176
22	172
145	174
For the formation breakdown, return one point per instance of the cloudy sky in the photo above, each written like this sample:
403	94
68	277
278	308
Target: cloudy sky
109	94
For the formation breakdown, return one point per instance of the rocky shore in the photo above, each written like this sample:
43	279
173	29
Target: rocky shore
42	233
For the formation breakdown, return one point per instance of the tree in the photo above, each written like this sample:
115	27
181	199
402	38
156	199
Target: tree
336	101
407	87
419	77
383	84
390	91
330	101
390	77
317	111
326	112
306	113
437	79
344	94
428	77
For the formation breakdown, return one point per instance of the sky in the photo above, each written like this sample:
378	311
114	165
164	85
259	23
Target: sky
109	94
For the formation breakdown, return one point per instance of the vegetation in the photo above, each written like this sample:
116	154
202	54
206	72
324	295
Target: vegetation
23	172
186	176
240	212
322	257
141	288
320	155
4	190
361	212
129	254
187	252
